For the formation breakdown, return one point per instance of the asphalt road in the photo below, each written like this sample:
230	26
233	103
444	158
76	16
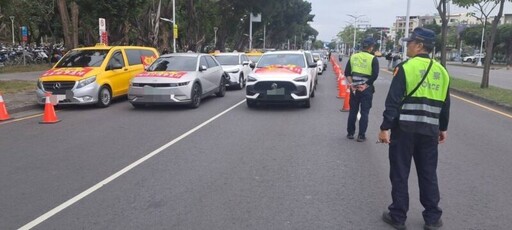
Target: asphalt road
224	166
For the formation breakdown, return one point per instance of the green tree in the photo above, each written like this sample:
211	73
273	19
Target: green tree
483	6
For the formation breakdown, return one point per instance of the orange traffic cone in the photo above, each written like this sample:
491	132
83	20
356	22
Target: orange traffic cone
346	103
4	116
49	116
342	87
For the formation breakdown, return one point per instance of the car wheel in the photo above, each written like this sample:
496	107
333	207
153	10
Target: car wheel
222	88
241	83
306	104
104	97
251	103
469	60
312	93
195	96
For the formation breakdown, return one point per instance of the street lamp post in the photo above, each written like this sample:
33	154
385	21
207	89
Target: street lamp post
481	46
12	26
215	32
404	44
355	17
381	40
173	21
173	37
174	25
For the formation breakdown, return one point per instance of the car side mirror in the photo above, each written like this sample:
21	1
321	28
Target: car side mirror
245	63
252	65
202	68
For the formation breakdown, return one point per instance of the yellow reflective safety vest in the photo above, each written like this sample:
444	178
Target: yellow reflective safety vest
361	65
420	112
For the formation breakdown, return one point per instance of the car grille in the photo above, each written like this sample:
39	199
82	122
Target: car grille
58	87
155	85
267	85
289	88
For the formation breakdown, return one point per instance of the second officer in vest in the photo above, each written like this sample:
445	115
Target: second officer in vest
417	112
362	70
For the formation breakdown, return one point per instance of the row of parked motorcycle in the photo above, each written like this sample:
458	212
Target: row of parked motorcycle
27	55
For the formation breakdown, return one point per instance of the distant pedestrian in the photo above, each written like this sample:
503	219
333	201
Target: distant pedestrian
362	70
389	58
417	113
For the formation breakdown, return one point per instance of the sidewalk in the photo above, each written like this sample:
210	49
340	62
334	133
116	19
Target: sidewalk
21	101
471	65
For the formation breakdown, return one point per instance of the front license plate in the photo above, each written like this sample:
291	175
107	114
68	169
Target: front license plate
278	91
148	90
60	97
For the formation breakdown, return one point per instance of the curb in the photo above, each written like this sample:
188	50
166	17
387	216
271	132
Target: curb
474	66
484	100
25	108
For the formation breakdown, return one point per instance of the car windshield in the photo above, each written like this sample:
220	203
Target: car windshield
254	59
174	63
227	59
282	59
83	58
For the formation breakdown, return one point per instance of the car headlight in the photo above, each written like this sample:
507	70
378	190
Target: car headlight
301	78
233	70
251	79
179	84
40	84
85	82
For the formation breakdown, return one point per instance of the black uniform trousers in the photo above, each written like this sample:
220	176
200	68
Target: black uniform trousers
358	100
405	146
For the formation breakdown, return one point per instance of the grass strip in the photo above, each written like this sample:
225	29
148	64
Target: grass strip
24	68
499	95
15	86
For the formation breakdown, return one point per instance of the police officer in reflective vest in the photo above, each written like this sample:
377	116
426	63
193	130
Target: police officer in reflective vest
417	113
362	70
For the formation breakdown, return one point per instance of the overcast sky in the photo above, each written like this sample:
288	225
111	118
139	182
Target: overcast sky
331	15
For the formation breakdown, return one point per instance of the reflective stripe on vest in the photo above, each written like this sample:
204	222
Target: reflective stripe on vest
361	65
415	118
428	108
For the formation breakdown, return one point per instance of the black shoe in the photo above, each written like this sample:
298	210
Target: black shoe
387	218
434	226
361	138
350	136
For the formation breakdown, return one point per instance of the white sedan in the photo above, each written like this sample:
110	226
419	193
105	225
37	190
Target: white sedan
183	78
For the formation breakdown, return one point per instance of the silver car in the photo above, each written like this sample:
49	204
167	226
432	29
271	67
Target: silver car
182	78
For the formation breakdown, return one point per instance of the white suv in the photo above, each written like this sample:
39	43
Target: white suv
282	77
237	66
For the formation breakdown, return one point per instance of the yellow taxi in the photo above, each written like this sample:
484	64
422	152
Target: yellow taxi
94	75
254	55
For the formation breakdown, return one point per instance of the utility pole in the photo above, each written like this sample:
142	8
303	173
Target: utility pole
355	17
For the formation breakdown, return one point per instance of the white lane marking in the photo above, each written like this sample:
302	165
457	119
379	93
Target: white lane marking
482	106
114	176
